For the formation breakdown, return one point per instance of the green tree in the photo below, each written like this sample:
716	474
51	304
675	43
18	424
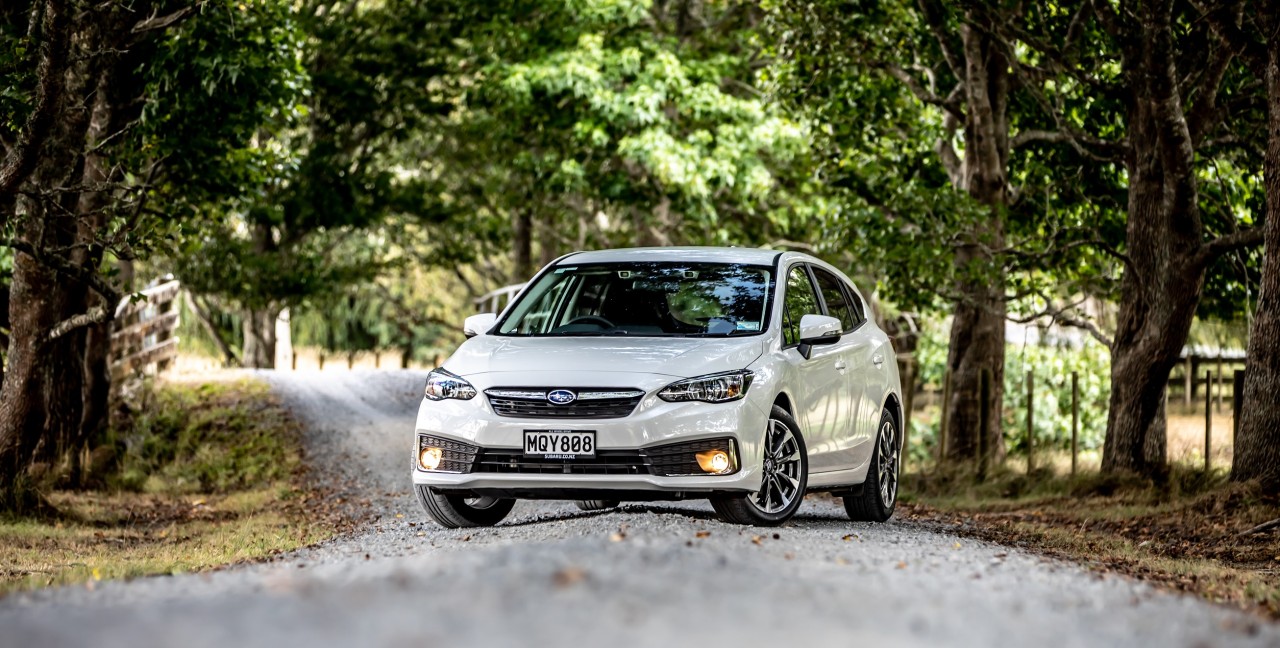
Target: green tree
108	152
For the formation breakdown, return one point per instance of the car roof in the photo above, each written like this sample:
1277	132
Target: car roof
751	256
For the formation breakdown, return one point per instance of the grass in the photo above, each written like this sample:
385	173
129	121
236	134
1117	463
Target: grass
1183	533
203	475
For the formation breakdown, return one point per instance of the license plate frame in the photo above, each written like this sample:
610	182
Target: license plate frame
566	445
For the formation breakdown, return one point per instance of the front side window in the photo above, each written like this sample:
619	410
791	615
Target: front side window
645	298
799	301
838	305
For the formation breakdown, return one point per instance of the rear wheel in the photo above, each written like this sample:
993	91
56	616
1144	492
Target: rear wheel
880	490
458	511
784	476
596	505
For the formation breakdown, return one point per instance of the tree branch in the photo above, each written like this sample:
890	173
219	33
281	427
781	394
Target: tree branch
62	266
922	93
1062	316
95	315
1204	112
51	72
1228	243
1028	136
156	22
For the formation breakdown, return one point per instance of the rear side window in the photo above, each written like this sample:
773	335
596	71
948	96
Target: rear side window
838	300
799	301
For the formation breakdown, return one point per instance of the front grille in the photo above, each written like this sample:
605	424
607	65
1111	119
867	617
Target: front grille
520	402
455	456
678	459
606	462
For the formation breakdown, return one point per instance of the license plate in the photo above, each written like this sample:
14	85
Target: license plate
559	444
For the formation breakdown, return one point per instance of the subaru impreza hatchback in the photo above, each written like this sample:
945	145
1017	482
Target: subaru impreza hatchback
747	377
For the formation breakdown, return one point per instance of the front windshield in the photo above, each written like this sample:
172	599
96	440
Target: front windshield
648	299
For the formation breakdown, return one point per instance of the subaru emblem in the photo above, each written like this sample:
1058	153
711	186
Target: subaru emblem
561	397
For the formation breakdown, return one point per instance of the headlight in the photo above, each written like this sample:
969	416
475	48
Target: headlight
442	384
715	388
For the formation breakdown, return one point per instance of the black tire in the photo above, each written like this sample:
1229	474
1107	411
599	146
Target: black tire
596	505
457	511
754	508
876	502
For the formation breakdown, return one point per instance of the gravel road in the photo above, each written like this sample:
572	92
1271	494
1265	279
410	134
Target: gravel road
642	576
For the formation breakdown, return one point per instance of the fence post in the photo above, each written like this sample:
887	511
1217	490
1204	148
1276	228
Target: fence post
942	428
1031	415
1208	417
1075	419
984	418
1218	408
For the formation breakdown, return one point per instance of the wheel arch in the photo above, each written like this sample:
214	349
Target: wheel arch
893	405
783	400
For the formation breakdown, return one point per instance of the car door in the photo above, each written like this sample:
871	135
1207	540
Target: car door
851	435
821	389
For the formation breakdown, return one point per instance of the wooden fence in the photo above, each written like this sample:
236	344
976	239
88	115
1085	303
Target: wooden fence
142	336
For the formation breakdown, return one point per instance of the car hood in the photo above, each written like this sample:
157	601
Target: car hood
678	357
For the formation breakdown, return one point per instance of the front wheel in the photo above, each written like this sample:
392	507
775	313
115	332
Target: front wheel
458	511
880	490
784	477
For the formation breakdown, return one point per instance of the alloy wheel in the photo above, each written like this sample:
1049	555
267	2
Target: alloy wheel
888	468
780	485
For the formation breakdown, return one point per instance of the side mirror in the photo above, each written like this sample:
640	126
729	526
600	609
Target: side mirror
478	324
816	330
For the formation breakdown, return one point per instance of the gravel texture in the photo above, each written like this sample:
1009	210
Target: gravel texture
645	575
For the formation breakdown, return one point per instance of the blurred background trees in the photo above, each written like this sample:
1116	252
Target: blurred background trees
365	170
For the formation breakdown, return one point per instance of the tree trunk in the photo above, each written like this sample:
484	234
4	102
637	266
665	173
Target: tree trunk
95	365
1164	273
1257	447
977	328
202	313
33	312
259	350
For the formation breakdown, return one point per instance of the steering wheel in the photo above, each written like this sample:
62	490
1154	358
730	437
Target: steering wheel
591	319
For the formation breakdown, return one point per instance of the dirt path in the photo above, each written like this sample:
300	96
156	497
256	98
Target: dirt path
643	576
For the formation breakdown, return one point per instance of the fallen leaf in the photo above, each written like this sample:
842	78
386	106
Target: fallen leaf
757	539
399	515
702	534
569	576
848	537
617	537
789	556
841	561
902	565
955	546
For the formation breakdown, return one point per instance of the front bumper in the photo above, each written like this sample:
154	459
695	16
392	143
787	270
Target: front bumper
654	424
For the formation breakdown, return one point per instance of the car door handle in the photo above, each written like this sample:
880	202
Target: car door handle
877	359
841	366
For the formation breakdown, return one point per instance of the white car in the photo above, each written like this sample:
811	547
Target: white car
745	376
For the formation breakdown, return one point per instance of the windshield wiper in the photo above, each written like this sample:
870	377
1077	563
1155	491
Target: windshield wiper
589	333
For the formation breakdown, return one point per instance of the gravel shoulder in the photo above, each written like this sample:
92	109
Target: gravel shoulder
643	575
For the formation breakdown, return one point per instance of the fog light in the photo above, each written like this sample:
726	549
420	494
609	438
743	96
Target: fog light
429	458
714	461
